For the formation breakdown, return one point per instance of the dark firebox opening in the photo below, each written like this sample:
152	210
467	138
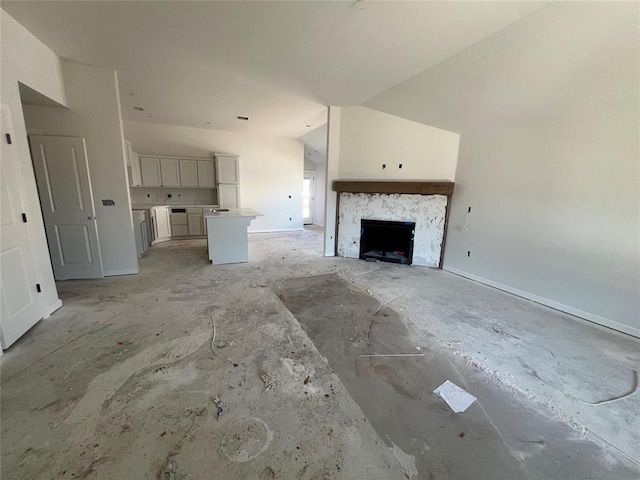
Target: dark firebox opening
387	241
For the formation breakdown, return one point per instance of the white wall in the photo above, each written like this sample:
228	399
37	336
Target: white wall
271	168
321	186
333	171
554	212
369	139
309	166
94	114
25	59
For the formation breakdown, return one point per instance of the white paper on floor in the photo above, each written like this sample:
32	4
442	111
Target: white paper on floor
457	398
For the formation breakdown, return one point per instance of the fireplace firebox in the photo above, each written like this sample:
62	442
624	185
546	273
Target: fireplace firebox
387	241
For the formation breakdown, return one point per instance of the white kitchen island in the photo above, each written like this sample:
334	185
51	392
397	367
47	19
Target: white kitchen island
227	234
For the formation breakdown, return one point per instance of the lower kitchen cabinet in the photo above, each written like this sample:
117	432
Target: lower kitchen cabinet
140	232
161	224
195	224
179	226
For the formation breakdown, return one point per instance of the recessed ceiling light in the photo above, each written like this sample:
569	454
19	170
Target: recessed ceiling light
242	118
140	109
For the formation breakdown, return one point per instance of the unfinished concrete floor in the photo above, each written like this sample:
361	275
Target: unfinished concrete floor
120	382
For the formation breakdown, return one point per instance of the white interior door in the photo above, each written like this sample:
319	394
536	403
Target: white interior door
64	185
21	305
308	189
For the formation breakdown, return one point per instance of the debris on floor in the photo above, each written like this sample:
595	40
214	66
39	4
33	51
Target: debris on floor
269	384
220	406
457	398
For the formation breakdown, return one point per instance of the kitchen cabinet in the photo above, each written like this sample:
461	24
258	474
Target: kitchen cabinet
161	224
150	168
227	167
155	171
133	166
136	175
188	173
228	177
140	232
229	195
195	224
206	175
170	172
179	222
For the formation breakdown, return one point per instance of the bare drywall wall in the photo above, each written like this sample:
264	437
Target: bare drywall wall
427	211
309	166
332	173
553	178
371	140
321	186
27	60
271	168
554	212
96	117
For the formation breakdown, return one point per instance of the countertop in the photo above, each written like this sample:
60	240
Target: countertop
234	212
152	205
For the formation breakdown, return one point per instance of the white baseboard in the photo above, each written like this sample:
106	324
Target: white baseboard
276	230
126	271
48	310
591	317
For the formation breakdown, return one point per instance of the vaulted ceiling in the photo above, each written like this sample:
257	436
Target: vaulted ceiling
202	64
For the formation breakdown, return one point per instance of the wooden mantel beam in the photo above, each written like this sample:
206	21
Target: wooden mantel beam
419	188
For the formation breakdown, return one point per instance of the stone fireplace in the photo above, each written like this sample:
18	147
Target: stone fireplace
424	204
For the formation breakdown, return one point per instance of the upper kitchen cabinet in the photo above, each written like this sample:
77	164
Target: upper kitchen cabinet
228	195
150	168
227	169
170	172
175	172
206	176
189	173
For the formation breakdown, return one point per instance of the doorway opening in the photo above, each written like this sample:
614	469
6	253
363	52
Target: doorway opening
61	170
308	197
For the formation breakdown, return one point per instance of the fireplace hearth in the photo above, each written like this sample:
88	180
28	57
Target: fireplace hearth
387	241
